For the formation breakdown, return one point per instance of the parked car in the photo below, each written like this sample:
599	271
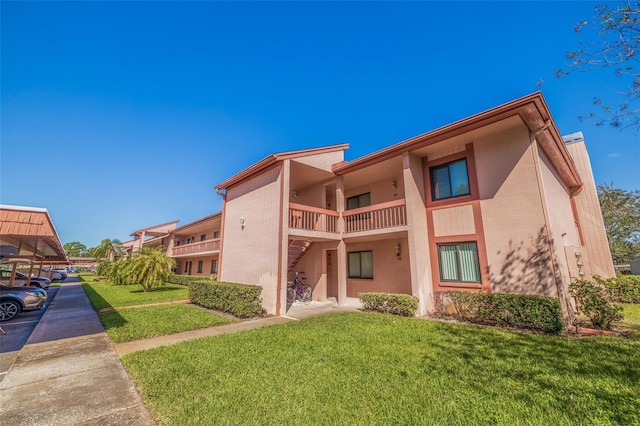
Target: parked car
62	271
14	300
22	280
55	275
72	270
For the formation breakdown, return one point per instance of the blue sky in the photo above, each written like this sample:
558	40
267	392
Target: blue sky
117	116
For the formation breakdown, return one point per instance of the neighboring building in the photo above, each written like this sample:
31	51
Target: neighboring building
195	246
491	203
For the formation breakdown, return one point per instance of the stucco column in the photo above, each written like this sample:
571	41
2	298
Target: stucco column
417	236
341	260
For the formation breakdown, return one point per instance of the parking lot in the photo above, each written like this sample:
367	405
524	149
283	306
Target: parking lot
17	332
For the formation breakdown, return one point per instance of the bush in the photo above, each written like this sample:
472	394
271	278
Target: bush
398	304
512	310
594	301
622	288
187	280
239	300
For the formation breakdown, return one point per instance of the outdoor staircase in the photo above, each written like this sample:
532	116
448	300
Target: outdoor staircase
297	250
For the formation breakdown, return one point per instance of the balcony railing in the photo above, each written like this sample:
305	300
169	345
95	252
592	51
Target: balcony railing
198	247
378	216
312	218
370	218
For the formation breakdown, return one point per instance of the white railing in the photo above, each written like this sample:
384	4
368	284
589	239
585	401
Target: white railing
198	247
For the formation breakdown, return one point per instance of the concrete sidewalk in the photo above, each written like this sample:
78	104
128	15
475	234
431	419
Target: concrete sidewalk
68	372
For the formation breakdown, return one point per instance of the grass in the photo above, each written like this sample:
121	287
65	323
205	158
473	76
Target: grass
632	319
105	295
144	322
367	369
141	323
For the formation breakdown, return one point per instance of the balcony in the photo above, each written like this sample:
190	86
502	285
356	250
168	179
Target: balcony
312	218
200	247
370	218
376	217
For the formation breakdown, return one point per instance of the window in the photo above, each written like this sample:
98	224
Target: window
459	262
361	264
186	266
214	266
216	234
361	200
203	237
450	180
190	240
199	266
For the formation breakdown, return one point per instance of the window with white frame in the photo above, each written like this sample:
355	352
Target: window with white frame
216	234
362	200
360	264
199	266
203	237
214	266
449	180
459	262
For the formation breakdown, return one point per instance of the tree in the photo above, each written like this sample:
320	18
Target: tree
75	249
151	267
105	249
621	214
618	48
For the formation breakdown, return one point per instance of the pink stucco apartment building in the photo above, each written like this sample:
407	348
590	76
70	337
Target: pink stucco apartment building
496	202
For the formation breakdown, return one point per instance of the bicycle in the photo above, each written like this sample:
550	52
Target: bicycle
297	290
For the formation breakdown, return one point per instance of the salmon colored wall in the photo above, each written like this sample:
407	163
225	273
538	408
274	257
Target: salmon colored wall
310	196
454	221
562	227
322	161
206	265
251	255
390	275
381	190
590	215
512	214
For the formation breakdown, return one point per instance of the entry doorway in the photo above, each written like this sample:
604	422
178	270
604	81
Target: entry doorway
332	273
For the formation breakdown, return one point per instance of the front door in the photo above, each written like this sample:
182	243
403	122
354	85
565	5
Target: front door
332	273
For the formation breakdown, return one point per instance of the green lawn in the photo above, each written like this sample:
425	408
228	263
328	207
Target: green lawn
632	319
364	369
141	323
105	295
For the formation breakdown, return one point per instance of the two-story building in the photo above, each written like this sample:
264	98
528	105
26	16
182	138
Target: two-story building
496	202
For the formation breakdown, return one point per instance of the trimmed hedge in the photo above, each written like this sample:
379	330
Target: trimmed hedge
397	304
622	288
513	310
239	300
187	280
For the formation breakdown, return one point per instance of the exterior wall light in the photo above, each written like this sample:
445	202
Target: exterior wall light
242	222
295	193
398	253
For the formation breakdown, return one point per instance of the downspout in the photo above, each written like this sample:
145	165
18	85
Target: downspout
224	202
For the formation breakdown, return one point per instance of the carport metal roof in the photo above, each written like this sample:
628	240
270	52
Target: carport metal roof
31	231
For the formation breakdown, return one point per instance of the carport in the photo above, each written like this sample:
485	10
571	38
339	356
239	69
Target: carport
27	235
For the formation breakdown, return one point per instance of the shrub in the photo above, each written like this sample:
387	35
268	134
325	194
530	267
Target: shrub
240	300
622	288
187	280
398	304
593	300
513	310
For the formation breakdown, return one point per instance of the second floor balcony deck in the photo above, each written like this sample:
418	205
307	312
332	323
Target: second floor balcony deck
201	247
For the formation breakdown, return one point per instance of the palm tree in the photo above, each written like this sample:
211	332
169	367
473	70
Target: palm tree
151	267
